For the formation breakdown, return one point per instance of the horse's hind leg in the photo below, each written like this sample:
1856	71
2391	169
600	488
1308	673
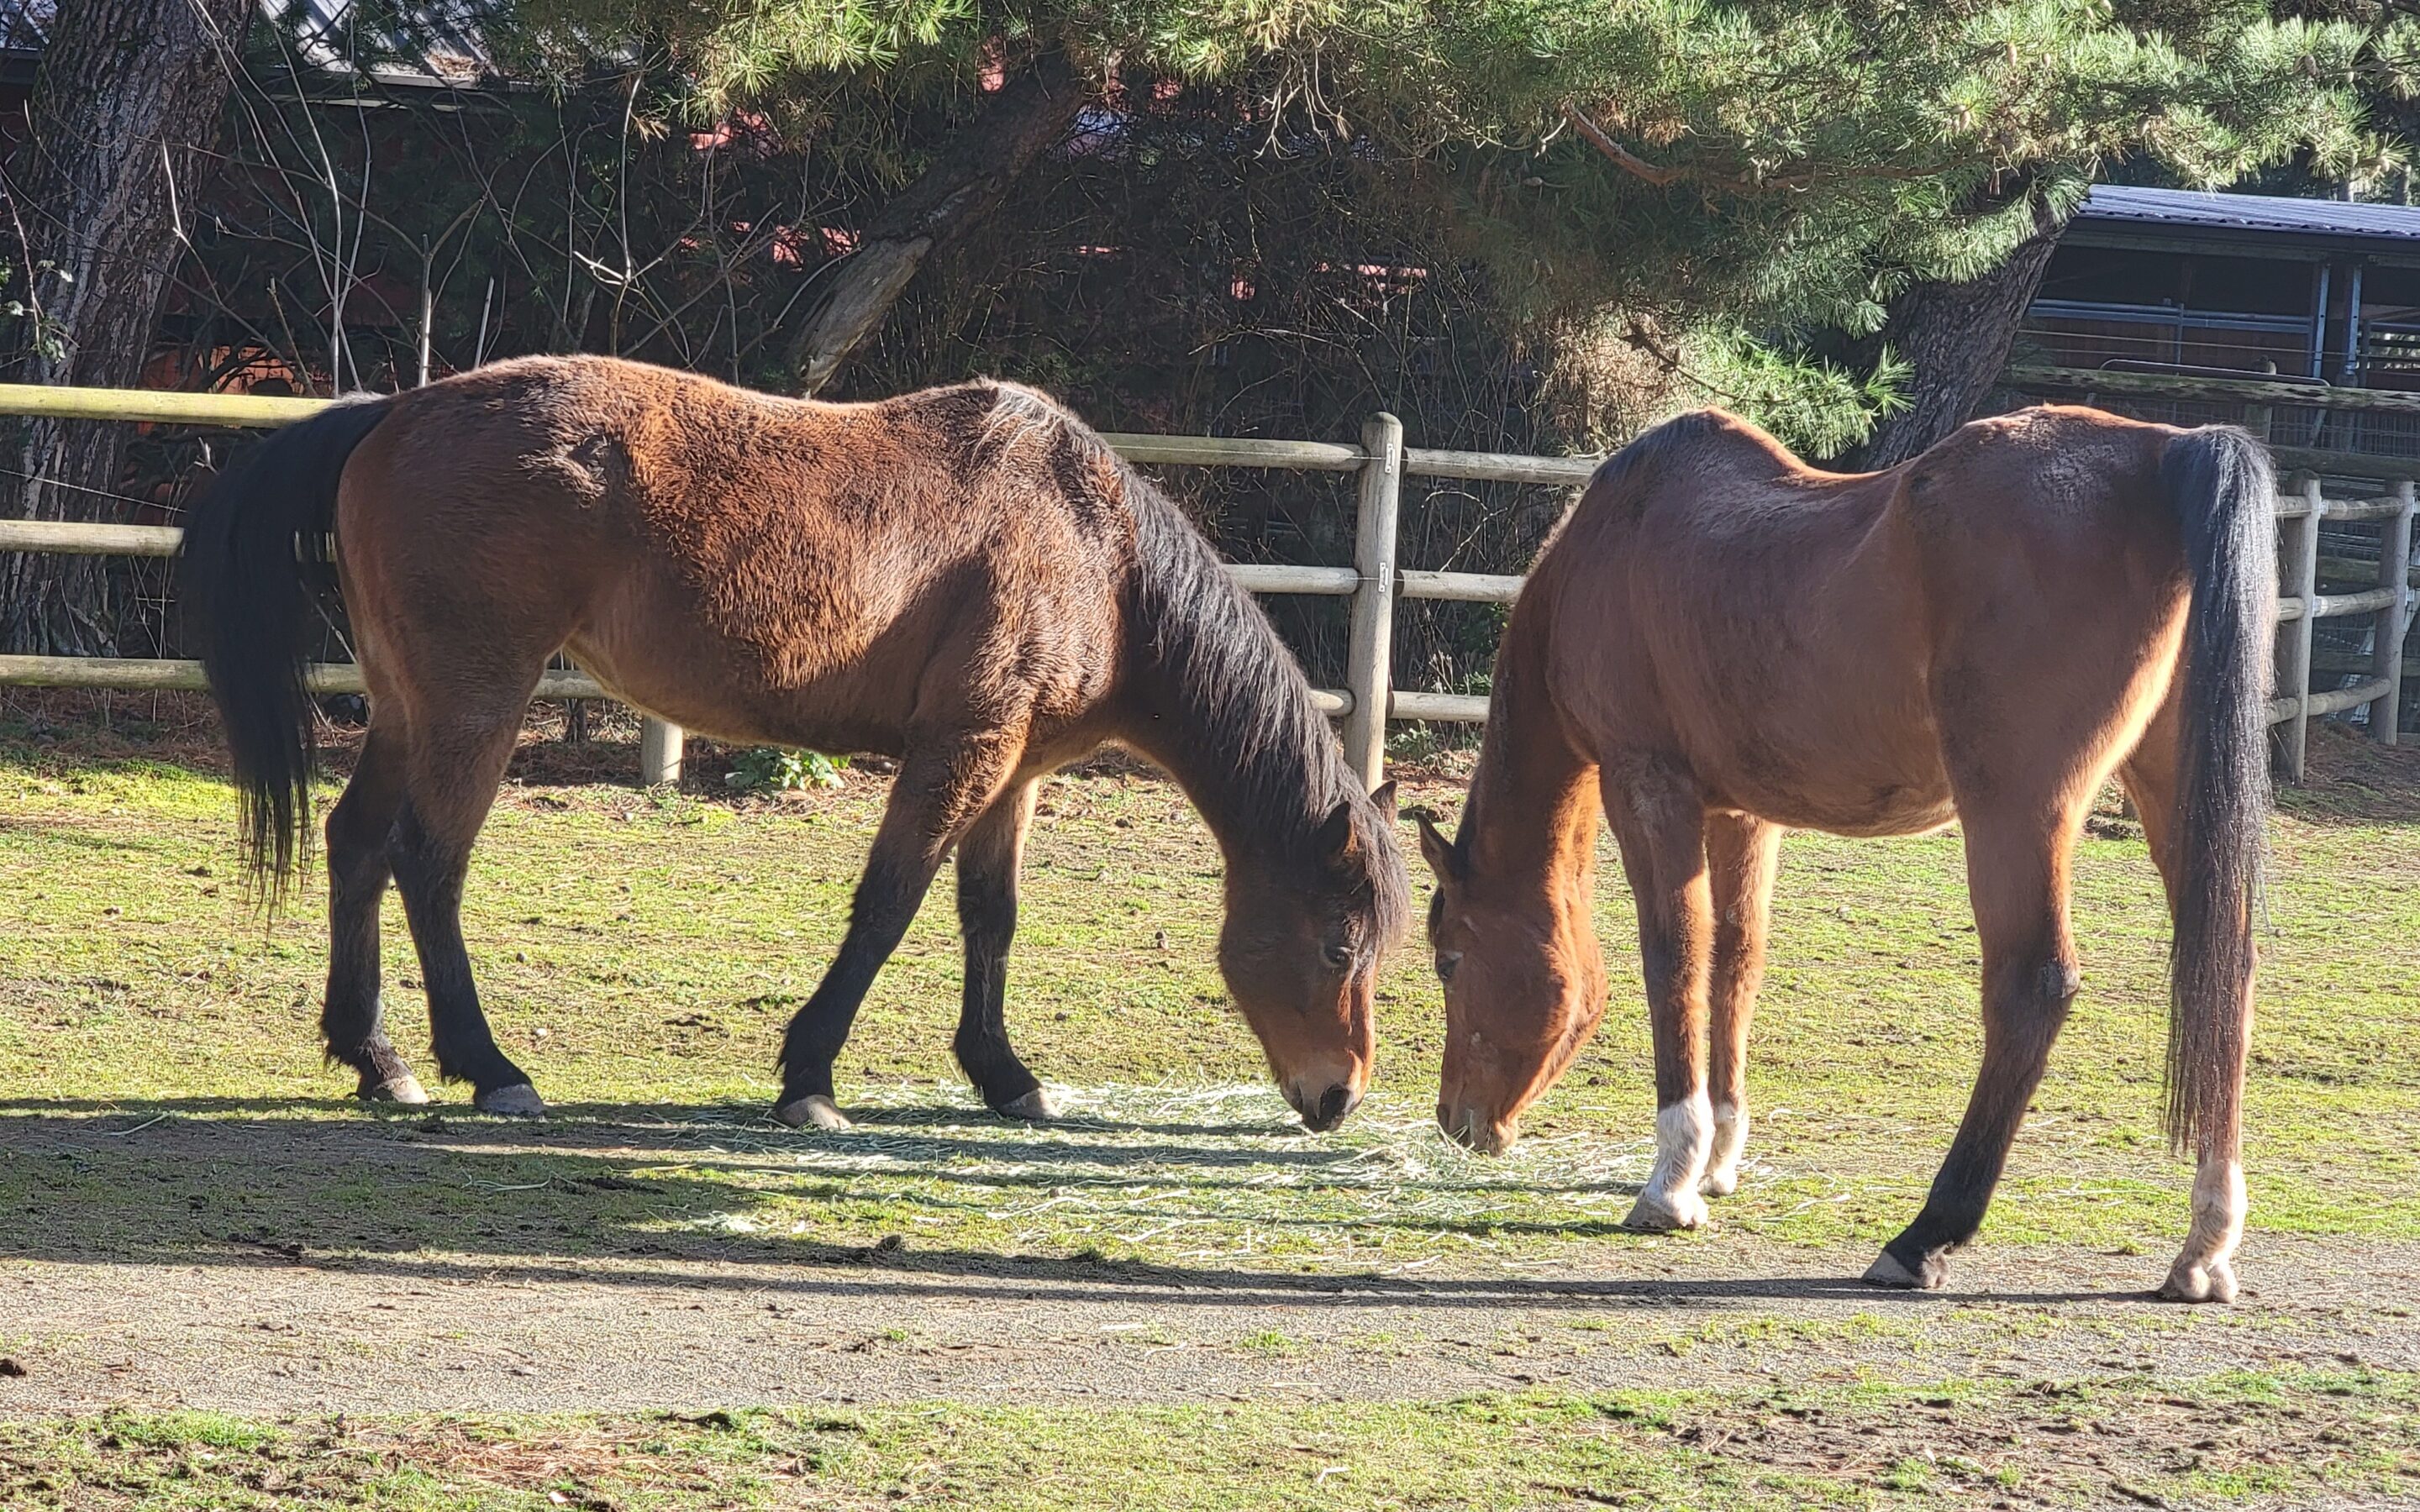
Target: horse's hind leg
1741	854
2017	858
2205	1268
358	828
455	763
943	788
1659	821
987	867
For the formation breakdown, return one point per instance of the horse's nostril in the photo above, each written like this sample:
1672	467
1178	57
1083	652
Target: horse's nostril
1335	1105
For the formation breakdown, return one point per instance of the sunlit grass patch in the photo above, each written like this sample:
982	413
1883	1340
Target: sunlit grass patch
639	955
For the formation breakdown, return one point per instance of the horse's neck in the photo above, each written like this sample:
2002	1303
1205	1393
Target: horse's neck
1533	807
1211	695
1534	824
1257	829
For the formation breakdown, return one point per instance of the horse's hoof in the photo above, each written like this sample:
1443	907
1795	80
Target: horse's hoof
519	1100
1653	1215
403	1089
814	1109
2213	1281
1720	1181
1036	1106
1888	1271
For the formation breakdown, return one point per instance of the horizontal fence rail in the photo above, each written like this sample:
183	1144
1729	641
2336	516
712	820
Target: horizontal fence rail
1374	580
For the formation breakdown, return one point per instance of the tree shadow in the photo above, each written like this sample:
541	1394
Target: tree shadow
475	1198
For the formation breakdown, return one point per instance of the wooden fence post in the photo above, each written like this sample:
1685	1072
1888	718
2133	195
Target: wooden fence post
1370	654
2301	566
2386	642
660	753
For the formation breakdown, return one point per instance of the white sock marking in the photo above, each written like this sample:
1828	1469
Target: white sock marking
1730	1138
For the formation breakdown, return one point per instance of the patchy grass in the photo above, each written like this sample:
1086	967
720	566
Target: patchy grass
2246	1439
641	951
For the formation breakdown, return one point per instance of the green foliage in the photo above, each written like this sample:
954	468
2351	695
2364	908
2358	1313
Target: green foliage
1772	174
769	769
1814	406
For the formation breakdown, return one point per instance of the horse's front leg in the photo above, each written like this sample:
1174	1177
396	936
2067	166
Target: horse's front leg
988	868
1660	822
943	787
1741	854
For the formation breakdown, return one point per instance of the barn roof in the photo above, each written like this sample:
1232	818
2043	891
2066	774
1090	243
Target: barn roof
2181	215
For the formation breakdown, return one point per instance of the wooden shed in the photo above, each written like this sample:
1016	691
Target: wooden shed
2320	292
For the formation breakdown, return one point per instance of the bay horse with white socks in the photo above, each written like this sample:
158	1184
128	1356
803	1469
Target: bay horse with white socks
967	579
1721	644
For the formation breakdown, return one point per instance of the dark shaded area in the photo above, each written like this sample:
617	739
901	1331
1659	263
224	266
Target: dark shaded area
177	1181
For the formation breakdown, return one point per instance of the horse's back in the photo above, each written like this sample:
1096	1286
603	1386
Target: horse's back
1776	635
756	567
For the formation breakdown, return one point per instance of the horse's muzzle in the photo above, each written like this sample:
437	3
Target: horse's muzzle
1332	1108
1468	1127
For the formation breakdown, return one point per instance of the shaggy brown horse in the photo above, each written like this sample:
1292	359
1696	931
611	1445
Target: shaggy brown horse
967	579
1722	644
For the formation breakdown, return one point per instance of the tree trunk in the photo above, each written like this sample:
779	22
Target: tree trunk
125	109
1957	338
957	194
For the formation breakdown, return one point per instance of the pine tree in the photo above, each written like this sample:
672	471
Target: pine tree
126	102
1747	187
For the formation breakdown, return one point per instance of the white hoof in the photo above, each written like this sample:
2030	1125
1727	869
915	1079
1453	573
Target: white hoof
1036	1106
404	1088
2212	1282
519	1100
815	1110
1721	1181
1655	1214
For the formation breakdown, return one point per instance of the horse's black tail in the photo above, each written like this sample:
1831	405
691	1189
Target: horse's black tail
257	560
2218	481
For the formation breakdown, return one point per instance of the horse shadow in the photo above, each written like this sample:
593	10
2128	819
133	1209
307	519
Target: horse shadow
658	1201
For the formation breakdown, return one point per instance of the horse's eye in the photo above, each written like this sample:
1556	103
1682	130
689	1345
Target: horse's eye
1339	955
1445	962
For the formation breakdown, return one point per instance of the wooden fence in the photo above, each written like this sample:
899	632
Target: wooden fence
1372	583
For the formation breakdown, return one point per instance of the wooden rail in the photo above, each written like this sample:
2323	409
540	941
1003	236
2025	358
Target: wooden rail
1381	461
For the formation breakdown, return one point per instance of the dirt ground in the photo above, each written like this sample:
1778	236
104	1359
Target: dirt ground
274	1326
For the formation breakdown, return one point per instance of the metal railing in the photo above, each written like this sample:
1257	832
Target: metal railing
1372	583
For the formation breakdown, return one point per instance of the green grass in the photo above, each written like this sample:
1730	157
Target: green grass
639	954
1831	1443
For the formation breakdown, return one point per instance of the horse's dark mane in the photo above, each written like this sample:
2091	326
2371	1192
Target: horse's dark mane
1231	701
1244	696
1220	658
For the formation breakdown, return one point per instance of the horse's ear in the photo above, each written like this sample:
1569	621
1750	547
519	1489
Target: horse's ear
1384	796
1443	859
1337	842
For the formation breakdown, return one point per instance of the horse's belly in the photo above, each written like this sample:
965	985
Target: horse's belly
849	709
1878	808
1874	785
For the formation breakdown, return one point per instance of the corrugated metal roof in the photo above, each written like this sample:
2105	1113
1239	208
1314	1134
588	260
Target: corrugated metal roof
2124	204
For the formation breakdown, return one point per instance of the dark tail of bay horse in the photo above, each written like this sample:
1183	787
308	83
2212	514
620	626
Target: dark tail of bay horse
2218	481
257	568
